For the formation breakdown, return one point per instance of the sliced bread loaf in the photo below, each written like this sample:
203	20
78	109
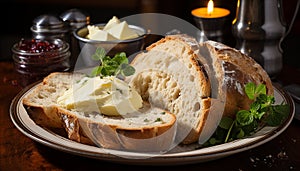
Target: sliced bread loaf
199	83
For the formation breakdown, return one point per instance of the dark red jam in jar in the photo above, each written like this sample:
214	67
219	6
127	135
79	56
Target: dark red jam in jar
36	58
37	46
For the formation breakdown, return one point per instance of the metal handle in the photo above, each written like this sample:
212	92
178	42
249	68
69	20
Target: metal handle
289	28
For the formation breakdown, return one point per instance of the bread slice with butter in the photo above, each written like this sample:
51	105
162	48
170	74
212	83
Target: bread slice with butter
148	129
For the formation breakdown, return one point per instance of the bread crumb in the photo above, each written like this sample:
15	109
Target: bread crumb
272	161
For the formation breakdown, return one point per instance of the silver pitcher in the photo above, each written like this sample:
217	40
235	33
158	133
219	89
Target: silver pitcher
259	28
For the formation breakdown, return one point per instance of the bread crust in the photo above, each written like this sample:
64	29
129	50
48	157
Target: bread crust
235	70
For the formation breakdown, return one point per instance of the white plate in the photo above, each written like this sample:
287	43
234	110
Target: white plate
179	155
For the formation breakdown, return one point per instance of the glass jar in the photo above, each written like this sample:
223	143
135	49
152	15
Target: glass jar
36	58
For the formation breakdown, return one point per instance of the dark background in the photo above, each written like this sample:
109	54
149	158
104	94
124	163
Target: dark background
17	17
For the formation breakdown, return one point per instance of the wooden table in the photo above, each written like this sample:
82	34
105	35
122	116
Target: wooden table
18	152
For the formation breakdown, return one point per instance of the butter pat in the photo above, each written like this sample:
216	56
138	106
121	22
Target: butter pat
113	30
111	23
92	30
101	36
95	33
109	95
122	31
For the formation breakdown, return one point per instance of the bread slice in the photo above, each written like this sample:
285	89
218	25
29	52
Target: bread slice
149	129
171	76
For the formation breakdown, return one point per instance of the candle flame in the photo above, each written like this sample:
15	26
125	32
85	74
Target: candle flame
210	7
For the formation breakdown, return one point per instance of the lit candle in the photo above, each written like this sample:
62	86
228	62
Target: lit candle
210	7
210	11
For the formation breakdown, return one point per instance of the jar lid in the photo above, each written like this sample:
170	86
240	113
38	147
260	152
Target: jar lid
48	23
75	18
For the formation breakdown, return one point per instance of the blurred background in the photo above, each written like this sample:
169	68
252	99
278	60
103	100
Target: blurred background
17	17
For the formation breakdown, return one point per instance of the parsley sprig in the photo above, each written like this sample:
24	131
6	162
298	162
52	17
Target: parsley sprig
262	112
111	66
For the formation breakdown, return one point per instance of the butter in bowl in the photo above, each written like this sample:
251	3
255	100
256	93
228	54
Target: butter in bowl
114	36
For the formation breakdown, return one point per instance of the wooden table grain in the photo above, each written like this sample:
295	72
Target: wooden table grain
18	152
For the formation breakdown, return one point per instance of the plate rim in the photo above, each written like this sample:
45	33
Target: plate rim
162	159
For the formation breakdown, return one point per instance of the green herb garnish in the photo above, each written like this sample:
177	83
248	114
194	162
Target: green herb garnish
262	112
115	66
158	120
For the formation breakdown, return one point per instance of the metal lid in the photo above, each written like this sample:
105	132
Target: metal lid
75	18
48	23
